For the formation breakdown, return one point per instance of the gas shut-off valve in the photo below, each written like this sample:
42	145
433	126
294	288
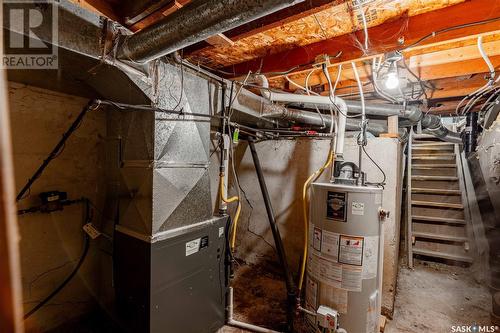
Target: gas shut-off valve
327	320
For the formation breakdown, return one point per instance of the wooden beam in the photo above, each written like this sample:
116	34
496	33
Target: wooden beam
158	15
219	40
100	7
385	37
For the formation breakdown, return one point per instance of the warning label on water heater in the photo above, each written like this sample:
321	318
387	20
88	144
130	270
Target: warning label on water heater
351	250
336	205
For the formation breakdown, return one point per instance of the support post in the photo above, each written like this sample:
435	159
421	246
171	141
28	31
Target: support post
290	285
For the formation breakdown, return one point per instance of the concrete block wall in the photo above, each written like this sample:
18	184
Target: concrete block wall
51	244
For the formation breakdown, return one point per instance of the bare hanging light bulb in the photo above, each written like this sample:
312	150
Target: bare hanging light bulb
392	80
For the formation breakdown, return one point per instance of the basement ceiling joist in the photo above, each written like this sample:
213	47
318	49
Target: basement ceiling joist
454	60
383	37
333	21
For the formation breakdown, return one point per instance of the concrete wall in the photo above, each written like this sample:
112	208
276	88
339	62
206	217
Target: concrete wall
52	243
286	165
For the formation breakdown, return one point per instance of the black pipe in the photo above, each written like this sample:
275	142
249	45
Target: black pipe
57	149
471	132
290	285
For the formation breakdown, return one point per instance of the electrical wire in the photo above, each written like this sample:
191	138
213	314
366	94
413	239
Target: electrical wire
71	275
337	80
457	27
361	94
57	150
231	156
332	101
365	27
382	183
476	95
485	57
182	86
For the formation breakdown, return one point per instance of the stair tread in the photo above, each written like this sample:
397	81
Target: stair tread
436	204
434	177
443	255
438	219
429	144
433	158
443	237
435	191
430	148
433	166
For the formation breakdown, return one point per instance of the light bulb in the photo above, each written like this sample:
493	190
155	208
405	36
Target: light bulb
392	81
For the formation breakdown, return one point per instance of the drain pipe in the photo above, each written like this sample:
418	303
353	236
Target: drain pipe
193	23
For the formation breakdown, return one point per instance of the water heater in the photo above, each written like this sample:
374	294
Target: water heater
343	266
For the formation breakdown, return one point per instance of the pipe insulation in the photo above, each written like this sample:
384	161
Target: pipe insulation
193	23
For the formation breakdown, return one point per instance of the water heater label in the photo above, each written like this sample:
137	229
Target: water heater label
351	278
357	208
193	246
330	244
336	204
351	250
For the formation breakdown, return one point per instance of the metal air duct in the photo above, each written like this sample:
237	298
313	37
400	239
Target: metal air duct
193	23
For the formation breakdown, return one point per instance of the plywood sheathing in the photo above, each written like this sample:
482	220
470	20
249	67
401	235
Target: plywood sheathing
333	21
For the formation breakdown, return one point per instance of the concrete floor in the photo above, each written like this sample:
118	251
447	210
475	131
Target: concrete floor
434	297
430	298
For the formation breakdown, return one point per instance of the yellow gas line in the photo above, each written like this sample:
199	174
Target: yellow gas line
238	209
308	182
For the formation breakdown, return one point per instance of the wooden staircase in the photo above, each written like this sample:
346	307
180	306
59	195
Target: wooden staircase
437	223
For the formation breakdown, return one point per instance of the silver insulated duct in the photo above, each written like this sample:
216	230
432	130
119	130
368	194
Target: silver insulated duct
193	23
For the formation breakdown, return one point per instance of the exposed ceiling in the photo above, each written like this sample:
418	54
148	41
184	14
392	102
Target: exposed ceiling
293	39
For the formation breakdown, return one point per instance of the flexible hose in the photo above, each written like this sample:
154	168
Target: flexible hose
311	178
65	282
238	210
